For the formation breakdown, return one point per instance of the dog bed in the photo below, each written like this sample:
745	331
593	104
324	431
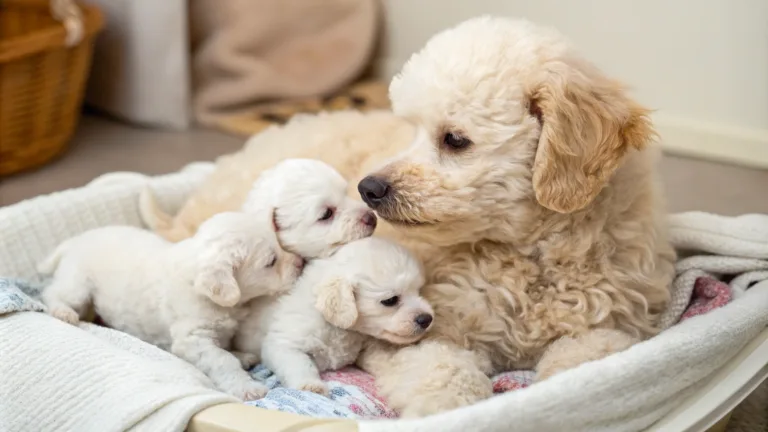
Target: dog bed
97	378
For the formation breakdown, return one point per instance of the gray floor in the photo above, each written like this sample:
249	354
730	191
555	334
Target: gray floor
102	145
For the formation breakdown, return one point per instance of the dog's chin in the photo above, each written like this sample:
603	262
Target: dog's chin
397	339
405	221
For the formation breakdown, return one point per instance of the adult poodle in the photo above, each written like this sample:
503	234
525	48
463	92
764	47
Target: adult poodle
528	191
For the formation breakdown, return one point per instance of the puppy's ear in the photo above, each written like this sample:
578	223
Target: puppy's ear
275	225
588	124
336	301
216	276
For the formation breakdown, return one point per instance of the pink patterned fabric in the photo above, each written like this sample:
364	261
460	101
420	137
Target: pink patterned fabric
708	294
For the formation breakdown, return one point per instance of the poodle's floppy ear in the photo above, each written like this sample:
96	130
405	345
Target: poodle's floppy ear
588	124
216	276
336	301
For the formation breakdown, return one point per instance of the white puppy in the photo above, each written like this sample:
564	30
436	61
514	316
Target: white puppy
368	288
307	202
184	297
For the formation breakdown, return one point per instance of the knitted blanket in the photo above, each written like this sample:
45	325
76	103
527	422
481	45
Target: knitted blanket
62	378
97	378
732	249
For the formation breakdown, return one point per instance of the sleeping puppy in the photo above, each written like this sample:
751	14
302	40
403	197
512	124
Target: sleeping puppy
307	202
186	298
309	206
368	289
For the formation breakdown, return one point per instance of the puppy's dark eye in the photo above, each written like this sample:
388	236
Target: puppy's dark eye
327	215
272	262
392	301
455	141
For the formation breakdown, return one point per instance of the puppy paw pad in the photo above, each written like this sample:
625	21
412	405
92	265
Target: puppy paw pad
249	391
318	387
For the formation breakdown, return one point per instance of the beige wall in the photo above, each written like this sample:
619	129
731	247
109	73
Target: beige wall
703	64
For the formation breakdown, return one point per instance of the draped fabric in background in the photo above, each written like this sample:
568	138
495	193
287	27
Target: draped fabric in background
172	62
248	52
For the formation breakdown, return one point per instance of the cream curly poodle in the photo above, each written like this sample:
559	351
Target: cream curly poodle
524	179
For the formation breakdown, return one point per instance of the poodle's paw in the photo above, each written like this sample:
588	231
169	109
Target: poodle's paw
247	390
248	360
466	388
65	314
314	386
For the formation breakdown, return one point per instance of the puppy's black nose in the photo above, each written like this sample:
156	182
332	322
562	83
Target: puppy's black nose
369	219
424	320
373	190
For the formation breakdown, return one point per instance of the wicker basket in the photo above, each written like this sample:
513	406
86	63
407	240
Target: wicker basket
44	63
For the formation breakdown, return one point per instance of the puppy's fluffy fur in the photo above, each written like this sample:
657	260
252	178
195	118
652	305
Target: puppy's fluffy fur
307	202
351	142
185	298
528	192
368	289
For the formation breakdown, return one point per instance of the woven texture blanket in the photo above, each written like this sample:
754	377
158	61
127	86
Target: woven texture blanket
733	249
97	377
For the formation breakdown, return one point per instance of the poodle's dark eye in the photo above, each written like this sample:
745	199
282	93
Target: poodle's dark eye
455	141
391	301
272	262
327	215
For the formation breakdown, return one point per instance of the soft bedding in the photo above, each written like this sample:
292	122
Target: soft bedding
99	378
353	392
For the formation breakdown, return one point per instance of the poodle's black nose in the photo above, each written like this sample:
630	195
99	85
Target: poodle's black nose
373	190
424	320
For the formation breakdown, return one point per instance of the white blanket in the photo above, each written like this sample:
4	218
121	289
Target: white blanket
99	379
60	378
56	377
713	245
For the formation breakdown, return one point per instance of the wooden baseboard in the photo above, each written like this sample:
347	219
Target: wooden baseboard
747	147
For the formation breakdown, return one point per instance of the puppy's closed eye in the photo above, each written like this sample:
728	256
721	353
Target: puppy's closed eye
327	215
272	262
392	301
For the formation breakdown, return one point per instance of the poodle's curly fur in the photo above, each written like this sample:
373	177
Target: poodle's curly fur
527	190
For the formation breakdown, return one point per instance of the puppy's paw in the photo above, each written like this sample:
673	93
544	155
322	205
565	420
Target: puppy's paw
248	360
247	390
65	314
314	386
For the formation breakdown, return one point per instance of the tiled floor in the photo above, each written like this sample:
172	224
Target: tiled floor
103	145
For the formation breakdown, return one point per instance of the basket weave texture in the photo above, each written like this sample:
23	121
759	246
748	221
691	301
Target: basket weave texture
42	80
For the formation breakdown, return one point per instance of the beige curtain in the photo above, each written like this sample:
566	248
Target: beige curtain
247	52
